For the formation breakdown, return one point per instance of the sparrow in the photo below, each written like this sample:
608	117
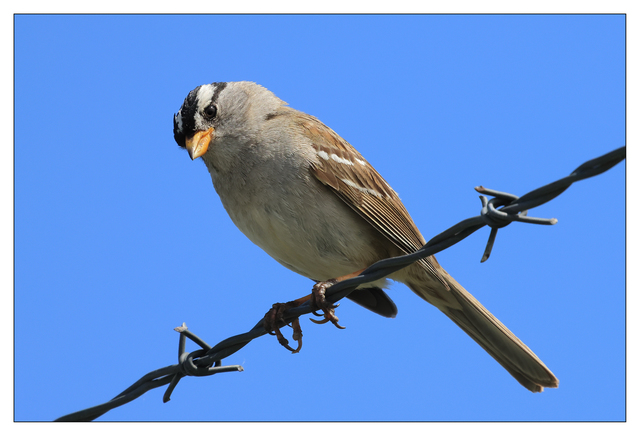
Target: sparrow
309	199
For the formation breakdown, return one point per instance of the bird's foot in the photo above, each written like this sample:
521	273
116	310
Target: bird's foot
319	302
275	317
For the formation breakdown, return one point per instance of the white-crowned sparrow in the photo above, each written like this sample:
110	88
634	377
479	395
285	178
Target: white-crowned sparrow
312	202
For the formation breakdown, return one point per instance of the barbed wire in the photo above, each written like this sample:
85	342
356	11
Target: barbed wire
207	360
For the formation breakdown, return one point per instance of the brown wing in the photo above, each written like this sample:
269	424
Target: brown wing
358	184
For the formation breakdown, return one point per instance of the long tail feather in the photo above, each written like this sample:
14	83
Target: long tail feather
491	334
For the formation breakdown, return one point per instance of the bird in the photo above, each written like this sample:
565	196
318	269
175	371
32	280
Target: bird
310	200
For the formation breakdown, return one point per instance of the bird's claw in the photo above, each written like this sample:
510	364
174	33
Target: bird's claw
274	317
318	300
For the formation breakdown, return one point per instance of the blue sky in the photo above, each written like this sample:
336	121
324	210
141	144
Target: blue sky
104	198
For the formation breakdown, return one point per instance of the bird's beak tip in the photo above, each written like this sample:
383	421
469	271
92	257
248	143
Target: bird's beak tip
199	143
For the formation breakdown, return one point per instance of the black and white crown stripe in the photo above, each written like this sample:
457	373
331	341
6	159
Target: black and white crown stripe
189	119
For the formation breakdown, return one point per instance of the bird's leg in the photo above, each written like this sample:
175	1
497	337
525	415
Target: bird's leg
318	299
275	316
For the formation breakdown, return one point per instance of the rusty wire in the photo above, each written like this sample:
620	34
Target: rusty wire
496	213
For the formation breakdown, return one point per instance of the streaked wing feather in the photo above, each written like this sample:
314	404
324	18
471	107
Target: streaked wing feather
360	186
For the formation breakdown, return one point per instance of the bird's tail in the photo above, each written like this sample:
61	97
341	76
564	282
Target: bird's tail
487	331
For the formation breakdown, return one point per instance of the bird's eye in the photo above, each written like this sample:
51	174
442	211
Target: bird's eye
210	111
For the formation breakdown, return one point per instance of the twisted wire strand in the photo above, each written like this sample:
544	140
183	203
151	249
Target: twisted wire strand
497	212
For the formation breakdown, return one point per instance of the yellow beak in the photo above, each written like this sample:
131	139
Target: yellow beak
198	144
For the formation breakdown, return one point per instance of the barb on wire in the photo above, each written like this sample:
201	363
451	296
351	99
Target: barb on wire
496	213
171	375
